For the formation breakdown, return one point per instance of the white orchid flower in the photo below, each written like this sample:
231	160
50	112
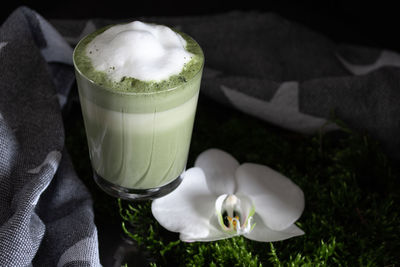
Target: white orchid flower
219	198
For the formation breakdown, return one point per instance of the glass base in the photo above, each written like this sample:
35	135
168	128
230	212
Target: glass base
135	194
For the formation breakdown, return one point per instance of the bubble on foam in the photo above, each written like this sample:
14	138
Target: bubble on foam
139	50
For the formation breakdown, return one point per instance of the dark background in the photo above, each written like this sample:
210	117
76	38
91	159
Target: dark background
359	22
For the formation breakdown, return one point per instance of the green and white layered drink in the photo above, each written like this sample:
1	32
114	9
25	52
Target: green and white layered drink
138	85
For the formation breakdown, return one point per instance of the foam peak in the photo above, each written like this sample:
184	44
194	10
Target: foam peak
138	50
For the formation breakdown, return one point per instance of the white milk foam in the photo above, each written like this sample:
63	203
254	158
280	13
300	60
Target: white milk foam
139	50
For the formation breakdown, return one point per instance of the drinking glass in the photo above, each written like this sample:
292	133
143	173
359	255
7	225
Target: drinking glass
138	142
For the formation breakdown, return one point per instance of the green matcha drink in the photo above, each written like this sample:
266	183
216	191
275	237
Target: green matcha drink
138	85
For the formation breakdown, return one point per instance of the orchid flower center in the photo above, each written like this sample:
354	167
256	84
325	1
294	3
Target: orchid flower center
235	214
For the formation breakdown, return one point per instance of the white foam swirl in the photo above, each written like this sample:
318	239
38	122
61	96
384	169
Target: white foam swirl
139	50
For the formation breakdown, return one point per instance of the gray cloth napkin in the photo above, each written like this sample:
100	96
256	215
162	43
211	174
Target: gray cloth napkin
288	75
46	214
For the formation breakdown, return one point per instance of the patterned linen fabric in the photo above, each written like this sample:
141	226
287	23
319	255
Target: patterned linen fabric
46	214
287	74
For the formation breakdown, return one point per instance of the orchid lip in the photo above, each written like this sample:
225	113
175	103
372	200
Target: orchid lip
233	217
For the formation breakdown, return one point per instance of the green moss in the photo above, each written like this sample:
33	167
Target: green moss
352	214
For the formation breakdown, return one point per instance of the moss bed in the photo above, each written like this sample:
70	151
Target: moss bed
351	189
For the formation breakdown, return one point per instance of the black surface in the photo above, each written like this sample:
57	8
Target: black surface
361	22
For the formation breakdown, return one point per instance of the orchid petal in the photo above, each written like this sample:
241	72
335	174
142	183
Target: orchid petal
262	233
188	208
279	202
219	168
212	236
214	233
218	209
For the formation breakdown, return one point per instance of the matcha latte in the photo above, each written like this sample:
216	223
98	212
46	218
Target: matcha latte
138	85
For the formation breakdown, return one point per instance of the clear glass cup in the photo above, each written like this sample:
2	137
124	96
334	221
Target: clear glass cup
138	142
